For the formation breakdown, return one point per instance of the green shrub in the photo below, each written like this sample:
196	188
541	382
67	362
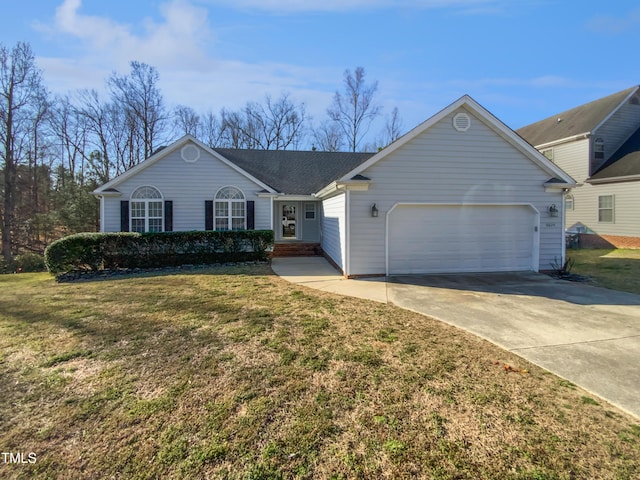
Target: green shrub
96	251
75	252
29	262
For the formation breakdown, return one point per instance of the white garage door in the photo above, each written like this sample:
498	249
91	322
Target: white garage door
460	238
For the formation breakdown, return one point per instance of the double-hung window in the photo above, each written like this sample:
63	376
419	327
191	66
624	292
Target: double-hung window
230	209
606	207
146	210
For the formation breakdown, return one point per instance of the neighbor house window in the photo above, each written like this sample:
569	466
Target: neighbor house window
310	211
568	202
230	208
598	149
606	208
146	210
548	153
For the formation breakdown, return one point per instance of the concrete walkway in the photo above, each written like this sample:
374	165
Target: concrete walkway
587	335
316	272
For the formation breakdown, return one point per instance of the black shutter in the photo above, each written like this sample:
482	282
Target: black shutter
124	215
251	215
208	214
168	215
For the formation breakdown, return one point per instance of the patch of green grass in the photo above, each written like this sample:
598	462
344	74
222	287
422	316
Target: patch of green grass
65	357
617	269
229	373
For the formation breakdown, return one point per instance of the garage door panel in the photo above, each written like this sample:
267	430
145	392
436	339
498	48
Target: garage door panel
454	238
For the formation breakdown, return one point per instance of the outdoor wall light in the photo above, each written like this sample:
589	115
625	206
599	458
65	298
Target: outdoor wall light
374	210
553	210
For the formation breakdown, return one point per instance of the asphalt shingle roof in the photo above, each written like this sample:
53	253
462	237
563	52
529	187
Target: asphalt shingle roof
294	172
624	162
582	119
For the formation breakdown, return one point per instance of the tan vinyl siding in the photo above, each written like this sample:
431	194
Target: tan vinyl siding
571	157
334	231
626	209
188	185
446	166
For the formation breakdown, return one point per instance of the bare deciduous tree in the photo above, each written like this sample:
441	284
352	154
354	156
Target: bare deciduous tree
354	110
187	121
139	97
275	125
328	137
21	106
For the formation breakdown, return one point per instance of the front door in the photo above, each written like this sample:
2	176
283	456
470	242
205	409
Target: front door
288	221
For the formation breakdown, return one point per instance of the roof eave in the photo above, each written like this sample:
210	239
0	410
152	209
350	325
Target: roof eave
622	178
496	124
572	138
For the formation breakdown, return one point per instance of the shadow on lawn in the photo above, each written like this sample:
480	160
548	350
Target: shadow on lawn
257	269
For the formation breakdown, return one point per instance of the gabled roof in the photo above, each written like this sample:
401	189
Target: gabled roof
625	162
581	120
163	152
294	172
496	125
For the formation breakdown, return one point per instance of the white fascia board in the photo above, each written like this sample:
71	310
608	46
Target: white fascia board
493	122
294	198
627	178
573	138
171	148
99	193
342	185
326	191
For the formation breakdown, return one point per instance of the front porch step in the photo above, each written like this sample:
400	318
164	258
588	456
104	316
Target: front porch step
297	250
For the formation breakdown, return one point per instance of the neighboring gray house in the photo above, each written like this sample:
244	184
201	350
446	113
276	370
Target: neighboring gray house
459	193
598	144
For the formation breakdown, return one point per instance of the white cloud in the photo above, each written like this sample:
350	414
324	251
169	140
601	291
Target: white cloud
179	39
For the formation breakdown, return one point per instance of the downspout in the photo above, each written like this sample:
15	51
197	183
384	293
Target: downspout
101	213
562	232
347	218
271	214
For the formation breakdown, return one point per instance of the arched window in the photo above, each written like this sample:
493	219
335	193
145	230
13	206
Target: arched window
568	202
230	209
147	212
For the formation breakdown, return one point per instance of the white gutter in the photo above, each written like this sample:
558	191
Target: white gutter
626	178
579	136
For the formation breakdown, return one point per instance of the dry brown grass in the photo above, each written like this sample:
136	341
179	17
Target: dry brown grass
234	373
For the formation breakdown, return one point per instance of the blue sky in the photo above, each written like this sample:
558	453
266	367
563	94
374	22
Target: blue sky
522	59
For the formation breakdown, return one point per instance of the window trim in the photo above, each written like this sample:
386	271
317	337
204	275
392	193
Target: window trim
612	209
312	211
146	201
569	202
229	206
548	154
598	149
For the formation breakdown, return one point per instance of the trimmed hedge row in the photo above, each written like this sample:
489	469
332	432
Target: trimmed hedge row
99	251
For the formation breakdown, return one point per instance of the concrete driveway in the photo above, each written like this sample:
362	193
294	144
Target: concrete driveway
587	335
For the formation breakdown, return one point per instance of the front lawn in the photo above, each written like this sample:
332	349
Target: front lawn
615	269
235	373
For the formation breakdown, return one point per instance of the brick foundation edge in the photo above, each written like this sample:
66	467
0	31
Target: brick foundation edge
590	240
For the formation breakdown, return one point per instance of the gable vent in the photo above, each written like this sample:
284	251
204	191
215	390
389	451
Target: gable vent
461	122
190	153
